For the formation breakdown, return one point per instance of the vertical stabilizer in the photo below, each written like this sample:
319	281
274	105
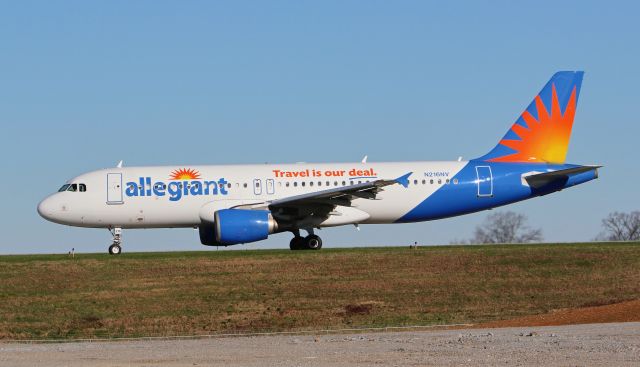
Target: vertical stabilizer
542	132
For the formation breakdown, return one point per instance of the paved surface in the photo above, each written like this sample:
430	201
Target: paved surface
615	344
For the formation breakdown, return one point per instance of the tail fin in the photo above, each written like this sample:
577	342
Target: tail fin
542	132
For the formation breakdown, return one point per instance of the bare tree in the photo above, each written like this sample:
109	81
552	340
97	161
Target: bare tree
621	227
506	227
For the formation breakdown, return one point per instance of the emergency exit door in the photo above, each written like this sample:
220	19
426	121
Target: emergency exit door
271	187
257	186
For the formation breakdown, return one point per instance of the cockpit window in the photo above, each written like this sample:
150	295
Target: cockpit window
73	187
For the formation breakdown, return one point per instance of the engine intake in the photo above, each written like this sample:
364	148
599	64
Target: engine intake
234	226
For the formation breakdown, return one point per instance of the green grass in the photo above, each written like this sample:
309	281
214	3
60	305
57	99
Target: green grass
185	293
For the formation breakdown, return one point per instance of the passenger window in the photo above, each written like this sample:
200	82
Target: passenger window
424	182
431	181
455	181
310	183
303	183
83	187
287	184
295	184
245	185
415	182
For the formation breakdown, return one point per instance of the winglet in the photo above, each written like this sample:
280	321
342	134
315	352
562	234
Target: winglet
404	180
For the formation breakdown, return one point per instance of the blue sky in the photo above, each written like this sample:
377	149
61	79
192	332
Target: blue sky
85	84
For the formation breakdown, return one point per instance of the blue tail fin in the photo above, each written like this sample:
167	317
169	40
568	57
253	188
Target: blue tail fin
542	132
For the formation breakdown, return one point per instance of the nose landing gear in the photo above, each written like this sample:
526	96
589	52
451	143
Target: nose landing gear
115	248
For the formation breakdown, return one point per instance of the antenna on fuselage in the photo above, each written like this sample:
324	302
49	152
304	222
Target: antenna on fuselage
364	160
119	164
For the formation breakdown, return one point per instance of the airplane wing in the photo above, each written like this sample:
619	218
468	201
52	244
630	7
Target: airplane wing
320	204
539	180
341	196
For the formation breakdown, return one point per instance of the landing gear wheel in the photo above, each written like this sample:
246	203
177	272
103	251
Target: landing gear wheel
313	242
297	243
115	249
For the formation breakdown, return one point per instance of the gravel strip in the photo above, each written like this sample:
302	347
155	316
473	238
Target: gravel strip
613	344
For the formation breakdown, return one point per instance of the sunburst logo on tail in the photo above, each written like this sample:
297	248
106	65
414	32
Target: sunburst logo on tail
184	174
545	139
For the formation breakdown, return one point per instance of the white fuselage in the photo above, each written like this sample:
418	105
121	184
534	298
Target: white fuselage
150	197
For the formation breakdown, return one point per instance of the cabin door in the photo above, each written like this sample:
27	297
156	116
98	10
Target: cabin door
485	181
114	188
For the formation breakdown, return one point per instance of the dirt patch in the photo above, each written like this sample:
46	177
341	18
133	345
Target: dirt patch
358	309
617	312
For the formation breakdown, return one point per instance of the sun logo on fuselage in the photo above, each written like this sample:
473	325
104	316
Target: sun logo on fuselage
184	174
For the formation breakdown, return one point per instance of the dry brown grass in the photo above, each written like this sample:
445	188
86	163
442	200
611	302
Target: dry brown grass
162	294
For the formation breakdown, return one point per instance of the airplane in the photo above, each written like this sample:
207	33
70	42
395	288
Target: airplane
236	204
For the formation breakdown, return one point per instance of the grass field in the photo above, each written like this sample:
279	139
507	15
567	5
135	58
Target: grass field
185	293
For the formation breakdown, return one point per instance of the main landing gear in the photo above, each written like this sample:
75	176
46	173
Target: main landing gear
115	248
311	242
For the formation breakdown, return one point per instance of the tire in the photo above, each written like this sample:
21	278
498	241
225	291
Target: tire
115	249
313	242
297	243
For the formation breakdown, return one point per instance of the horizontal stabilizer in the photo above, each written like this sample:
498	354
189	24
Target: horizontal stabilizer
543	179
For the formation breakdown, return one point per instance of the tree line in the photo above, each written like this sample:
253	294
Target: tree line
511	227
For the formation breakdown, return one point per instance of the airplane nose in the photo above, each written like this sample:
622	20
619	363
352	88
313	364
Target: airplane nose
46	209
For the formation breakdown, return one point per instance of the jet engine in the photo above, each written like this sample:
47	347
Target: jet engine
234	226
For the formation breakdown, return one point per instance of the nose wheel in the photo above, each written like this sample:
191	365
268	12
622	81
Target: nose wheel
115	248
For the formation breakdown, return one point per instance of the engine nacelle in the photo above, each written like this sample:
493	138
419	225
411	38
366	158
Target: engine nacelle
234	226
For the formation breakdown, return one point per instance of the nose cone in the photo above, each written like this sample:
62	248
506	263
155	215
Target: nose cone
46	209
